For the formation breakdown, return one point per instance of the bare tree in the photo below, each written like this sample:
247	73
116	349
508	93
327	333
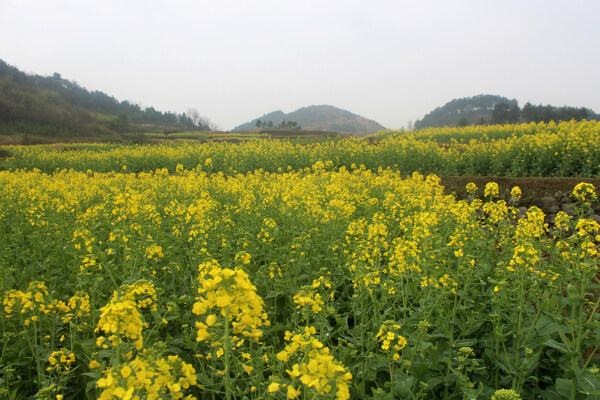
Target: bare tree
193	114
206	123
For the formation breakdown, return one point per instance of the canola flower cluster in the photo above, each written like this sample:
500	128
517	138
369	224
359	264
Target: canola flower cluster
33	301
121	318
388	336
544	149
61	360
585	193
187	281
313	365
228	294
148	377
310	297
78	306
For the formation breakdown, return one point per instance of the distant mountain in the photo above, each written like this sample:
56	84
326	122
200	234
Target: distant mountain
319	118
53	106
491	109
472	109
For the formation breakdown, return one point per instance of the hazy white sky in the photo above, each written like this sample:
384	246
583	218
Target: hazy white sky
391	61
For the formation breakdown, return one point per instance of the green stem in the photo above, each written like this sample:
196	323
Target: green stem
578	339
590	357
227	343
40	372
497	352
518	343
112	278
392	379
404	299
274	310
118	350
593	312
449	367
363	388
71	338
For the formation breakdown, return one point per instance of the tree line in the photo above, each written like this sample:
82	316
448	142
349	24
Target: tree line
282	125
487	109
44	104
504	113
511	113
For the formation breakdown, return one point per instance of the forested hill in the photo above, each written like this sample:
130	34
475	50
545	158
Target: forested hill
470	108
490	109
319	118
52	105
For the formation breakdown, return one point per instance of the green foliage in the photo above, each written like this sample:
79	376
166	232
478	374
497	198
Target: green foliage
564	149
470	108
498	110
53	106
321	118
414	293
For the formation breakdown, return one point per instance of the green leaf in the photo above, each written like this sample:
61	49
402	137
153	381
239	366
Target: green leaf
93	375
556	345
423	346
563	387
402	387
546	326
273	294
530	365
189	341
433	382
465	343
90	386
102	354
502	364
550	394
590	385
574	295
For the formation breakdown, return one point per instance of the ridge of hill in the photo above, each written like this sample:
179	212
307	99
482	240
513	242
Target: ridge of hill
53	106
473	109
485	109
317	118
